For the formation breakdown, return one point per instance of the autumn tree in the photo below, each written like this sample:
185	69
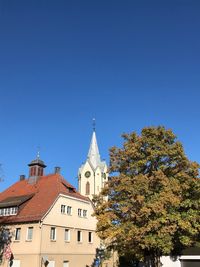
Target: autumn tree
1	242
5	239
5	236
153	204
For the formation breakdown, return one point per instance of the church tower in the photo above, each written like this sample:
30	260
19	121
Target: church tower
93	174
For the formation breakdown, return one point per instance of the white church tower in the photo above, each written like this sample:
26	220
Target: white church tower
93	174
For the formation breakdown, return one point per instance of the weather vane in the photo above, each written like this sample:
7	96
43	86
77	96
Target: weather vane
94	124
38	152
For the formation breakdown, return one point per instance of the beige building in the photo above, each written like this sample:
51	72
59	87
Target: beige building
50	222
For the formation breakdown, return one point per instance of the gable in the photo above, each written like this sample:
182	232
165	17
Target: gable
55	216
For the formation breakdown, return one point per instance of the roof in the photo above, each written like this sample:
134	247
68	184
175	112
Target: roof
93	154
34	200
93	157
37	162
14	201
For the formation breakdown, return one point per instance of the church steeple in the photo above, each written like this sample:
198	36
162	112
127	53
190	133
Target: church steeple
93	154
92	174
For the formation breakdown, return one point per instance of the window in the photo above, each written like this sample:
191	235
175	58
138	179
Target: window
53	234
90	240
66	209
79	212
17	233
51	264
8	211
40	171
33	171
15	263
87	188
67	235
65	263
79	236
13	210
84	213
63	209
29	233
69	210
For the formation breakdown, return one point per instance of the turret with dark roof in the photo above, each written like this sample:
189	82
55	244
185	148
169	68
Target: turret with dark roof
31	200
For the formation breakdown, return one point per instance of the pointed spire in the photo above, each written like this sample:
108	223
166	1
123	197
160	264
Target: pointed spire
93	154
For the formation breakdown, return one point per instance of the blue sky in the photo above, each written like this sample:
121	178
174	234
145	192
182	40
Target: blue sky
129	64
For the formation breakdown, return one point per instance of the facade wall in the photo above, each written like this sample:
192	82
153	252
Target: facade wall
58	251
70	247
26	252
32	245
55	217
96	180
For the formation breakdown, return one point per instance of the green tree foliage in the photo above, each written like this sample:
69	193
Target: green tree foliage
153	205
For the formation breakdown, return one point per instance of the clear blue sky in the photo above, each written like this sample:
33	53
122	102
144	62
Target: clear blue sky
129	64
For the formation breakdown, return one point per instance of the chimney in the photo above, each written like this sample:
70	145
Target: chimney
22	177
57	170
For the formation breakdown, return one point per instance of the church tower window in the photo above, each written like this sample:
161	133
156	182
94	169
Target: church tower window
87	189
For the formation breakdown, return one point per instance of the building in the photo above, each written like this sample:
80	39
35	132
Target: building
93	174
51	223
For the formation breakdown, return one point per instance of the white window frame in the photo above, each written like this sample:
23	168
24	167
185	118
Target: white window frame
17	234
81	240
13	210
53	233
90	241
65	263
80	212
51	263
68	235
8	211
63	209
16	263
85	213
69	210
27	234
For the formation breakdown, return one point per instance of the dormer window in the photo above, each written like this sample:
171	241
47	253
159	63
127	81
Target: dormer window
10	205
8	211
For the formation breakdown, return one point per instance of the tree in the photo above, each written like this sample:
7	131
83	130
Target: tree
153	204
5	239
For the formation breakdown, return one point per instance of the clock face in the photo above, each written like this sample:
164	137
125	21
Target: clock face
87	174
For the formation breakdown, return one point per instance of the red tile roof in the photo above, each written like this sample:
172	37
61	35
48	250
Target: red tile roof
42	195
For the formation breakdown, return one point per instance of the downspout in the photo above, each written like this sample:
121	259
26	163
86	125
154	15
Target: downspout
40	254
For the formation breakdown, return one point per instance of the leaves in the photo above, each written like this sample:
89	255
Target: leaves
5	238
153	198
